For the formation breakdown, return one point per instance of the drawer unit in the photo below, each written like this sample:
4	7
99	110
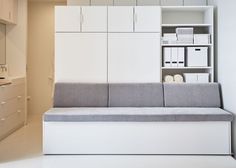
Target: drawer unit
11	91
12	106
197	56
10	123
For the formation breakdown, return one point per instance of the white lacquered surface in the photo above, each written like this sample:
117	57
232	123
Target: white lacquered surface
23	150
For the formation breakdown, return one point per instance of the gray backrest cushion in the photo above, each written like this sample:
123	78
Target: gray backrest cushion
80	95
136	95
192	95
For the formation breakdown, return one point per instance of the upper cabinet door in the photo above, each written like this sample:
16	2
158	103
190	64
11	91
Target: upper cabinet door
147	19
8	11
94	19
67	19
120	19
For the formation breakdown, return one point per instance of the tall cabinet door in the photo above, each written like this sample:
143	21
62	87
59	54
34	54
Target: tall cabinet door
81	57
133	57
67	19
120	19
94	19
147	19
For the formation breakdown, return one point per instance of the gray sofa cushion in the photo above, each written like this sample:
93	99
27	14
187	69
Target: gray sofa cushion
80	95
192	95
155	114
136	95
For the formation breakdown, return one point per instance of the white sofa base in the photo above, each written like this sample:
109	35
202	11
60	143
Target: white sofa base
137	138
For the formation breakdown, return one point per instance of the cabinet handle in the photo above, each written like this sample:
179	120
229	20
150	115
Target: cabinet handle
2	103
3	119
19	97
18	111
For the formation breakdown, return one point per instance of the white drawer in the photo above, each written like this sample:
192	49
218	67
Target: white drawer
12	105
11	122
11	91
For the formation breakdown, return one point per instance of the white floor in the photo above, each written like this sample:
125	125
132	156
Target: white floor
22	149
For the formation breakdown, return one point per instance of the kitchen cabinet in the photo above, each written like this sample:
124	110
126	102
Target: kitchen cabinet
8	11
12	106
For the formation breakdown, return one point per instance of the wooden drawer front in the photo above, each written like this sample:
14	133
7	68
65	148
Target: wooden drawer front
11	91
11	122
12	105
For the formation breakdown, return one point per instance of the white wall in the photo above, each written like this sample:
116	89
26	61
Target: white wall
16	42
226	60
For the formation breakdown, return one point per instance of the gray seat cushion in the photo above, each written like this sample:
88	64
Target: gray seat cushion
80	95
136	95
192	95
155	114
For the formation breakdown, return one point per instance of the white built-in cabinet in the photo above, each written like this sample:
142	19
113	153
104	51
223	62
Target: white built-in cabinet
134	19
67	19
133	57
81	57
120	19
147	19
99	44
94	19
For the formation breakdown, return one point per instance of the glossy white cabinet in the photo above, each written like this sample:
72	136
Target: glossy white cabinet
12	106
147	19
120	19
67	19
94	19
133	57
81	57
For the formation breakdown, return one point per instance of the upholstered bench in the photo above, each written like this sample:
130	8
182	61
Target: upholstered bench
137	119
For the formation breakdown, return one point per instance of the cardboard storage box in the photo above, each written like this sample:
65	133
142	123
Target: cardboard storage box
197	56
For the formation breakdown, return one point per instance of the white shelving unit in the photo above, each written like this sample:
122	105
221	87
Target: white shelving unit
201	18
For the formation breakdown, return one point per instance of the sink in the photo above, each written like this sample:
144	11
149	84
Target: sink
5	82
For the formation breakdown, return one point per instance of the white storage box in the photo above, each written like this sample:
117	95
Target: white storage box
197	56
196	77
202	38
195	3
190	77
203	77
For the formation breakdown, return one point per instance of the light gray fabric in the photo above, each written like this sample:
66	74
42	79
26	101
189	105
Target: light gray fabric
192	95
155	114
80	95
136	95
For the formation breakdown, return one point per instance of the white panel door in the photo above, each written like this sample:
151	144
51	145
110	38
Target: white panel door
133	57
94	19
147	19
67	19
120	19
81	57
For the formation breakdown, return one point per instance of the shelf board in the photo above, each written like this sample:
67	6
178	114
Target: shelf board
184	68
184	45
186	8
186	25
